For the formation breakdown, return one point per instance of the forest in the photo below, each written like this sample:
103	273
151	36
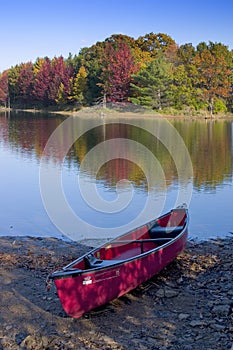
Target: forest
151	71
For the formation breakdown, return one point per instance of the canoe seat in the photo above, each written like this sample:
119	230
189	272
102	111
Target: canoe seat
164	232
92	262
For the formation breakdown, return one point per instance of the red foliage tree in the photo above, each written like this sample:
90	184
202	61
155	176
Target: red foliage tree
42	81
4	87
60	74
118	67
25	81
50	76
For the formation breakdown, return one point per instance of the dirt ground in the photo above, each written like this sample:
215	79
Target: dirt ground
189	305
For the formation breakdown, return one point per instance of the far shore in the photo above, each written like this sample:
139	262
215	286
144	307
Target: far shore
122	111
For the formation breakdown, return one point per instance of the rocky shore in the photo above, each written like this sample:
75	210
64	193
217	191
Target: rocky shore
189	305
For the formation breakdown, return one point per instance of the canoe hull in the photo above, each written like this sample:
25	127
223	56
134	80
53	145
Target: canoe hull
80	293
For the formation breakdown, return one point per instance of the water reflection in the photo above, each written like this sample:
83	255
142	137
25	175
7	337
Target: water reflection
26	133
209	144
23	137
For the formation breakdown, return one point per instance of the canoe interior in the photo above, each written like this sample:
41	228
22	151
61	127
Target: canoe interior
135	243
115	268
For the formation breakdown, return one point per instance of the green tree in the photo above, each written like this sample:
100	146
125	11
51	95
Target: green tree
91	58
183	91
151	84
219	106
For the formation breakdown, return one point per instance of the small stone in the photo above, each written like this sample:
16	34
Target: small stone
160	293
180	280
170	293
198	323
220	244
221	310
19	338
188	347
167	292
217	327
108	340
183	316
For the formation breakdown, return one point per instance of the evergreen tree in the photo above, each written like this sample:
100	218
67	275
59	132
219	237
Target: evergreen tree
151	85
91	58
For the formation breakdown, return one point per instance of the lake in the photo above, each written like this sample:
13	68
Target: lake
95	177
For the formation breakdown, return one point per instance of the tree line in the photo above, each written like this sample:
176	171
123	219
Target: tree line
151	71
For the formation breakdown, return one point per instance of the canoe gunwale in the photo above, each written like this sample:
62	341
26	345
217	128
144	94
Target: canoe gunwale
69	272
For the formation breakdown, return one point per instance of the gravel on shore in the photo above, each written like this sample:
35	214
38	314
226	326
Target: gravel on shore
189	305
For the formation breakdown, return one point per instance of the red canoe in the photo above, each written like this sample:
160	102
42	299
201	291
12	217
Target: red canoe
121	264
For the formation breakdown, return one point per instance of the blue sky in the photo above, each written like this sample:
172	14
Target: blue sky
31	29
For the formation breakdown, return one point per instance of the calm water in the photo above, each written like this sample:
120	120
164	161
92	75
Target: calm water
116	175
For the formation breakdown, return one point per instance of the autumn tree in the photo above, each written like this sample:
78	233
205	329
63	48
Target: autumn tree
214	65
42	82
61	98
117	39
52	81
25	82
37	65
60	75
118	67
4	88
155	43
13	76
230	98
78	87
186	53
141	58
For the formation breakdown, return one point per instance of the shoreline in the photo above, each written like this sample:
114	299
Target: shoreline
188	305
124	113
